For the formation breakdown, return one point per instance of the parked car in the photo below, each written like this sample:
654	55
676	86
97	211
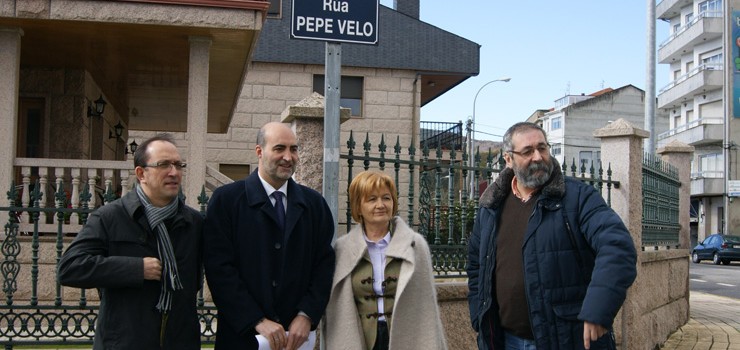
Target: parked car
718	248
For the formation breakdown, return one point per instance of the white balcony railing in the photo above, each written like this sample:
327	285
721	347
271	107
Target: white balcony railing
695	20
698	69
689	125
72	175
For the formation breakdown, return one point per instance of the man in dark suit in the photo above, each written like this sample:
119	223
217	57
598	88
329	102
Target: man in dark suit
268	257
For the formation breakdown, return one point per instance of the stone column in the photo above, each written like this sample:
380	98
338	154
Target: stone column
197	118
621	145
307	120
679	155
10	63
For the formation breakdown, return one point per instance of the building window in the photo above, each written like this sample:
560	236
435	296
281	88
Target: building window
586	159
235	172
711	165
676	27
556	149
274	10
351	94
556	123
710	6
689	17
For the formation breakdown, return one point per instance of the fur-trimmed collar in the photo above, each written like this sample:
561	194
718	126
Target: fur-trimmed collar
496	193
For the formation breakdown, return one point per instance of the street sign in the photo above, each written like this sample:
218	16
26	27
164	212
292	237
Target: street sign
733	188
353	21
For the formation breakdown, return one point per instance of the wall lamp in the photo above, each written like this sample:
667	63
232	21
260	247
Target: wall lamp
132	147
98	108
117	131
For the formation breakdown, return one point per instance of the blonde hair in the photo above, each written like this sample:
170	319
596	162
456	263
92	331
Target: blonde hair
365	183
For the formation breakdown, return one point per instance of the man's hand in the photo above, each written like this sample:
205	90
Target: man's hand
152	269
298	332
591	331
274	333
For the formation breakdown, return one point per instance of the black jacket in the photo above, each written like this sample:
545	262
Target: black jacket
254	271
574	271
107	254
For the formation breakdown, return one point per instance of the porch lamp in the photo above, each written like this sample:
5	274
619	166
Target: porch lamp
98	109
118	130
132	147
472	134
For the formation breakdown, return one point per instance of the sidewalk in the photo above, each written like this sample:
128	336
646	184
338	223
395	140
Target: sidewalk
714	323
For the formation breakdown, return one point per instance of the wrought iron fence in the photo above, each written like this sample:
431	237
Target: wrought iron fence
439	206
660	187
431	184
441	134
37	309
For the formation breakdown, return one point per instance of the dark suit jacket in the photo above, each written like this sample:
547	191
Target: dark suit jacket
254	271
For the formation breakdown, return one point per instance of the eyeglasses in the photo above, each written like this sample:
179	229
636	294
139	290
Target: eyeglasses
166	165
543	148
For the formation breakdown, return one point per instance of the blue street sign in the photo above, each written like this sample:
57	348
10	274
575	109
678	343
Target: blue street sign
351	21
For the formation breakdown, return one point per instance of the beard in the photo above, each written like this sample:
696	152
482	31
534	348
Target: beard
535	175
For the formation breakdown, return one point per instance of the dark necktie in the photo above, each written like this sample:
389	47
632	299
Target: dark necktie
279	209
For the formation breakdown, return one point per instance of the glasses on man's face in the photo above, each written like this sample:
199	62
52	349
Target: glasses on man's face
166	165
543	149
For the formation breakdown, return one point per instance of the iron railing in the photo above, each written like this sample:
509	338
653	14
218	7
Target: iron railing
37	309
444	135
660	188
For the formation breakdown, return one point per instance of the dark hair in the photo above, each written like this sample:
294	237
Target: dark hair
141	157
517	128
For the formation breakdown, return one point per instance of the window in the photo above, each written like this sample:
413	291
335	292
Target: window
690	116
711	165
274	10
689	66
689	16
676	27
556	149
585	159
235	172
710	6
351	92
676	121
556	123
713	62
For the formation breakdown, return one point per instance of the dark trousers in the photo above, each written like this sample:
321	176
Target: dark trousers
383	338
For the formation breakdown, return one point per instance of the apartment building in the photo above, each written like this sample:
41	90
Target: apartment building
694	103
571	122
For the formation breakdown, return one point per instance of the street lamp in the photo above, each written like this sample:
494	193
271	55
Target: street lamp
472	135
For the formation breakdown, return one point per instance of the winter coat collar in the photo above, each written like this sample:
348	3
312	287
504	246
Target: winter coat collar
356	247
494	196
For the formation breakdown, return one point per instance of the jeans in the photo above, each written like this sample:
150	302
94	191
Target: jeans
512	342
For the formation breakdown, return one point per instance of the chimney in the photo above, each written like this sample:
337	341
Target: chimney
407	7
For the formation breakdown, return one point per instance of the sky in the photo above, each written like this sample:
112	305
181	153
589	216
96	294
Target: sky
548	49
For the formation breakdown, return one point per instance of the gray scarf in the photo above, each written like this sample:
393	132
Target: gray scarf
170	277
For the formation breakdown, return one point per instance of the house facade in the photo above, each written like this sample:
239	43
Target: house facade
384	85
571	122
694	100
210	72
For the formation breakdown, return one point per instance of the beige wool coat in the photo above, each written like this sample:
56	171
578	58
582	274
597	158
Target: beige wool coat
415	321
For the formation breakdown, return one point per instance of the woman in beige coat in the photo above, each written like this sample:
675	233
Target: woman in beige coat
383	294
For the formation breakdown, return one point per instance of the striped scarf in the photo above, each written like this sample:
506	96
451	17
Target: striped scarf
170	278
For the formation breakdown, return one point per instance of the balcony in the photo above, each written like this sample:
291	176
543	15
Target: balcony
705	77
670	8
708	183
705	27
695	133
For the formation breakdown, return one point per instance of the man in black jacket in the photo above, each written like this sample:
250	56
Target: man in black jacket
267	251
143	253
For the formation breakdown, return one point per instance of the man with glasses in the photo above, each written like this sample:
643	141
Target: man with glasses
143	253
549	262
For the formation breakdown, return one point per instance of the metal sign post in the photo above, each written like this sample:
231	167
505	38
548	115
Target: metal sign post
334	21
